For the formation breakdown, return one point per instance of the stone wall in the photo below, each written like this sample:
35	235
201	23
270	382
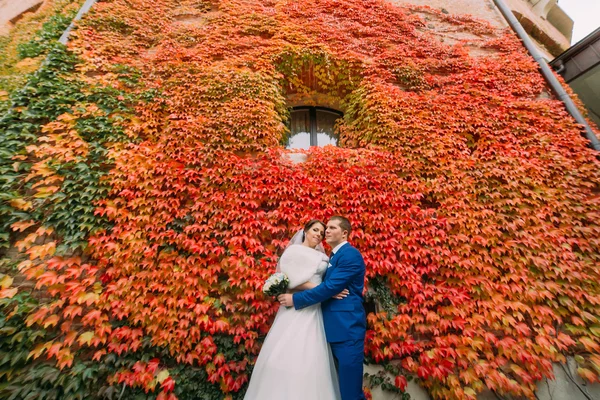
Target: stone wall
484	9
535	19
10	10
545	21
566	385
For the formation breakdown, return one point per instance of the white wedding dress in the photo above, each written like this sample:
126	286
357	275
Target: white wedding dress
295	362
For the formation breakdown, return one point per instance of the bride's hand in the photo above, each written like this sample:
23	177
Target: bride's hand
342	294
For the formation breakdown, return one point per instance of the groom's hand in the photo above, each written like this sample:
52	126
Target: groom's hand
286	299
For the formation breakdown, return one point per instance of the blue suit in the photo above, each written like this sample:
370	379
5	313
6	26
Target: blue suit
345	320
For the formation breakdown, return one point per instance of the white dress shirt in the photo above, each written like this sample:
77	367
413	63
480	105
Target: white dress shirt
335	249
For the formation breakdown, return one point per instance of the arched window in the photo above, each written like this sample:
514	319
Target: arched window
312	126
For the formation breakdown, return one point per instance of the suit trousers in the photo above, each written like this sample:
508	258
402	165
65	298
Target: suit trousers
349	356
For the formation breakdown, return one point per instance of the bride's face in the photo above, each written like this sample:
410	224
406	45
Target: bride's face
314	235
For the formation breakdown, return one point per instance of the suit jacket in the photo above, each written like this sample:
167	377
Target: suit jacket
344	319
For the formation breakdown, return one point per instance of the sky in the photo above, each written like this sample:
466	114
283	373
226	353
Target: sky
585	14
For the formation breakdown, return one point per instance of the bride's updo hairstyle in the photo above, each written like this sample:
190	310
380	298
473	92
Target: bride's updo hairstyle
310	224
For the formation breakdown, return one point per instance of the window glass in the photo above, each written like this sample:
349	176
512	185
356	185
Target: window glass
587	87
325	124
299	130
312	126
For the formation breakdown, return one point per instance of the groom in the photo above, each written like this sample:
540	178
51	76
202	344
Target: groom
345	320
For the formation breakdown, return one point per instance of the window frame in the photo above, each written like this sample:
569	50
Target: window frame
312	115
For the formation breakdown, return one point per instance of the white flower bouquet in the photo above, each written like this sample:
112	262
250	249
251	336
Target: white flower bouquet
276	284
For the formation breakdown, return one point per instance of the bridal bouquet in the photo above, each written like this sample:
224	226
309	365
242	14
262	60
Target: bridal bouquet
276	284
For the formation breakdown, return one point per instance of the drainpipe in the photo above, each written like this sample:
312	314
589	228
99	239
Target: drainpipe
84	8
560	68
547	73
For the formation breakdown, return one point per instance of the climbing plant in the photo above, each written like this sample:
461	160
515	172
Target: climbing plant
24	47
148	196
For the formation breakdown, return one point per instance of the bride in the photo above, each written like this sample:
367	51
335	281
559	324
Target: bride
295	362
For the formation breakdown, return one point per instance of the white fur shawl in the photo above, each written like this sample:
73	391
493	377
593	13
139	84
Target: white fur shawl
300	263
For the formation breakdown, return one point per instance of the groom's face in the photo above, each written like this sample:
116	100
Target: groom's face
334	234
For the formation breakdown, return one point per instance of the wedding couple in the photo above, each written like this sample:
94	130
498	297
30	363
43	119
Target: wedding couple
315	347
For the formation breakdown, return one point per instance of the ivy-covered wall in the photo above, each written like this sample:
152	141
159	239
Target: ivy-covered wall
25	46
146	197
